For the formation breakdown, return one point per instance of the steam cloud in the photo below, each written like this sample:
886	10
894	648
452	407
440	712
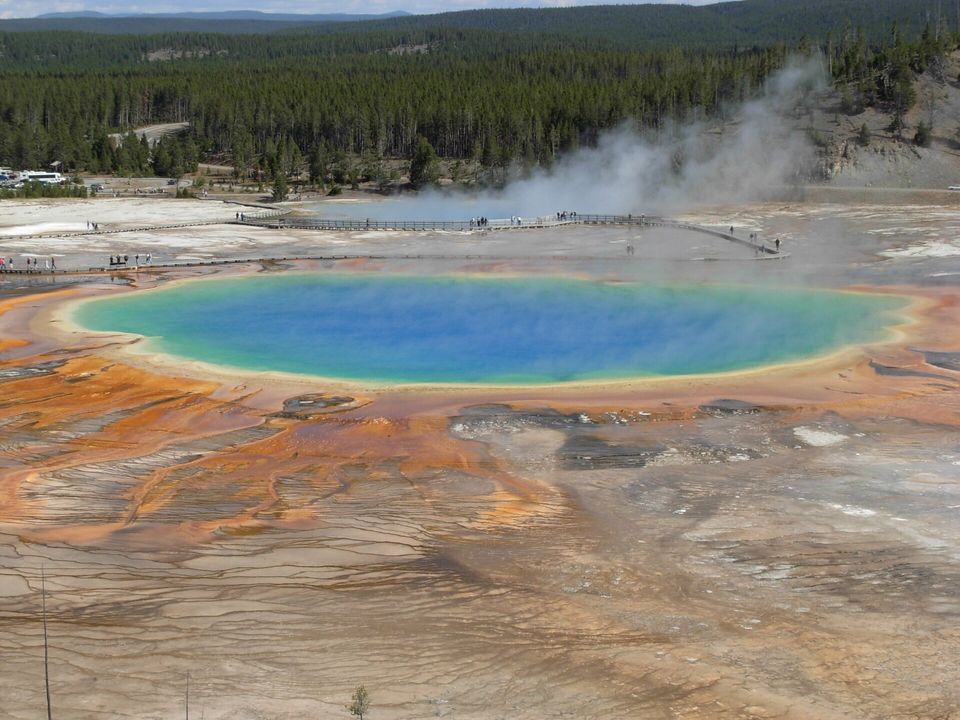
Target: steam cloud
760	149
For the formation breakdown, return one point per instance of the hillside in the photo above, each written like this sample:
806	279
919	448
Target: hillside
229	22
888	160
743	23
232	15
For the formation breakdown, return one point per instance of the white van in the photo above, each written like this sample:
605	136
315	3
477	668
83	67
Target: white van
40	176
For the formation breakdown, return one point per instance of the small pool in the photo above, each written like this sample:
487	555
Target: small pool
468	329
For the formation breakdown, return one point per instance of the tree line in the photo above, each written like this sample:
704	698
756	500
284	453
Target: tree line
342	104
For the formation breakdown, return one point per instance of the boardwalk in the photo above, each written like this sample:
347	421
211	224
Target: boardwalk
282	222
279	219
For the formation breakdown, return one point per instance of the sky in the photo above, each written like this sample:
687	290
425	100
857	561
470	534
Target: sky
31	8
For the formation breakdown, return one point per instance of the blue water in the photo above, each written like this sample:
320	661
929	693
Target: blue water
482	330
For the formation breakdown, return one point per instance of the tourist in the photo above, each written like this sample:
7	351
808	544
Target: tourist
149	258
776	242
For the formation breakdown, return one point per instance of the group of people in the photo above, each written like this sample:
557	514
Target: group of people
32	263
49	265
93	226
759	244
516	220
124	259
241	216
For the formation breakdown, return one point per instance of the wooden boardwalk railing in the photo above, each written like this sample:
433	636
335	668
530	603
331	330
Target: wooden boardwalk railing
297	223
278	222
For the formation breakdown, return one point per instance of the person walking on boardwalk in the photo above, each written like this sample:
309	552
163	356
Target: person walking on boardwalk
776	243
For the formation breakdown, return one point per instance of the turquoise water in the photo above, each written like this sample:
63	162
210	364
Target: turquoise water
448	329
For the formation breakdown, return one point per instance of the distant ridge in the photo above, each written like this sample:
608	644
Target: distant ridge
741	24
232	15
240	22
79	14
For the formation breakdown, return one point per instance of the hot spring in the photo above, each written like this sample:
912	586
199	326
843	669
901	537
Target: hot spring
466	329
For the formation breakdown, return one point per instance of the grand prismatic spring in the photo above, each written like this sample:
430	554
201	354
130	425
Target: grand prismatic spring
409	329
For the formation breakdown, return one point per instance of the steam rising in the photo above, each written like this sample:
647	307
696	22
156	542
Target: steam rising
760	148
